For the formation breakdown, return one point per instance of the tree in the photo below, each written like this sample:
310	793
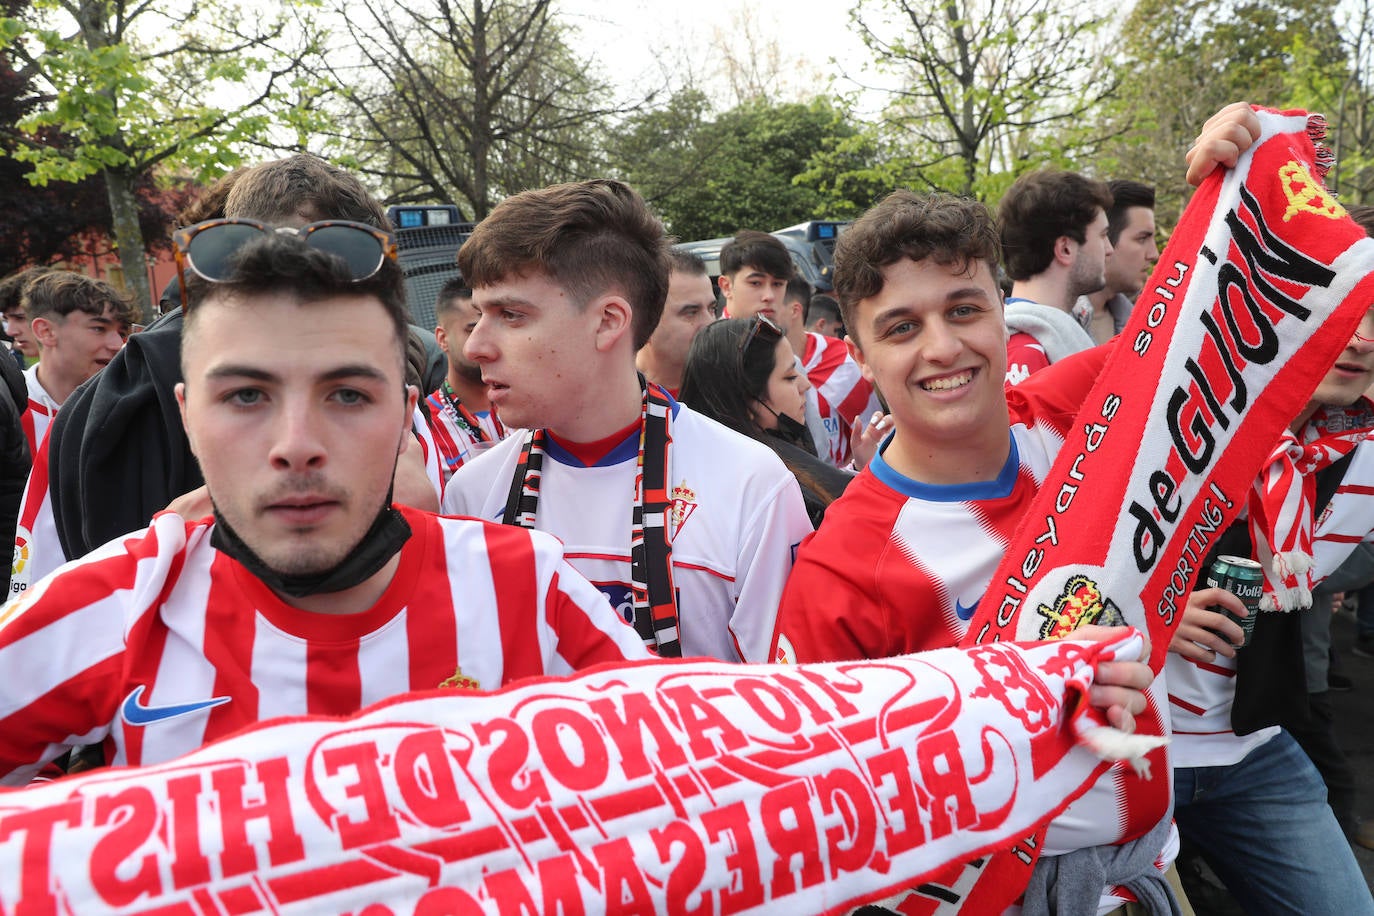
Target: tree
128	83
708	177
41	224
1341	86
983	82
465	102
1181	60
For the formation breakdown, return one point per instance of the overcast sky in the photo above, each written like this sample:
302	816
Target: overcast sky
629	36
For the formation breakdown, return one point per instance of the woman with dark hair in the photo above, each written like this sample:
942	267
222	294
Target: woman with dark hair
743	373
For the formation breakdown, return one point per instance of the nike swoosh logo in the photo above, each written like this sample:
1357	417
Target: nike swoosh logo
966	612
135	713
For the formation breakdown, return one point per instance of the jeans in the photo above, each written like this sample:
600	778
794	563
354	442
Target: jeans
1264	827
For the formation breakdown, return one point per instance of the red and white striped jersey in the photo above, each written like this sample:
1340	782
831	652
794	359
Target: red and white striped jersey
159	643
737	516
38	415
843	394
37	549
456	445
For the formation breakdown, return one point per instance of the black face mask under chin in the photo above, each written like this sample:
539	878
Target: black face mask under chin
382	541
790	430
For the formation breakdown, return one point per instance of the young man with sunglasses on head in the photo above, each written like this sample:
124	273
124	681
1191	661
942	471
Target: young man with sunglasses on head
686	526
308	591
118	451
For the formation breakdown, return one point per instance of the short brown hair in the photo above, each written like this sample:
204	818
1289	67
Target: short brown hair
590	237
278	191
1041	207
62	292
951	231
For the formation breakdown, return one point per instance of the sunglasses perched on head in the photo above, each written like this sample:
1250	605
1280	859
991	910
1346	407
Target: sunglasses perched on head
209	249
760	326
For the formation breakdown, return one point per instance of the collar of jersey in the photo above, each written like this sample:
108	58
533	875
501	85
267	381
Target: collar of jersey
625	451
997	488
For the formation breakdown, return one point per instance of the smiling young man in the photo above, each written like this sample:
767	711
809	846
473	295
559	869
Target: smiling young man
307	592
906	553
686	526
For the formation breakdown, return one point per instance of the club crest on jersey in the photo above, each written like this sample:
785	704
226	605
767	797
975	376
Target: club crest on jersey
460	681
684	503
1080	603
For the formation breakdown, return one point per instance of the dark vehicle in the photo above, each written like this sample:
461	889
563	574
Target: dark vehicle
811	245
427	243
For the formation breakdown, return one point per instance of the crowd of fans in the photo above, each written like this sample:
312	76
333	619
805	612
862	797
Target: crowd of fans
813	476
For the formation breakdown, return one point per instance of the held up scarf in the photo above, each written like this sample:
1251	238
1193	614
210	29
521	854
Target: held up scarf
1255	297
655	787
651	549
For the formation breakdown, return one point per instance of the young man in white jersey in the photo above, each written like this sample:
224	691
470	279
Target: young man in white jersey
686	526
307	592
758	279
460	415
78	324
1053	227
690	306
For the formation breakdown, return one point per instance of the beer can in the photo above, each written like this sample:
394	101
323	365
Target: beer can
1242	577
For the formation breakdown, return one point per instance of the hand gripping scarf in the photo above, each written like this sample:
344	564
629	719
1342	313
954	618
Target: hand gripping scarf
654	787
1253	300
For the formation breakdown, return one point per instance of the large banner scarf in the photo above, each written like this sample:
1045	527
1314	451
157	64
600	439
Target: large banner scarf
656	787
1254	298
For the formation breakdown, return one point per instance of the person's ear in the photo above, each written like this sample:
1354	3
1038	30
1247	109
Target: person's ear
44	330
857	353
441	338
614	319
1064	250
180	391
723	284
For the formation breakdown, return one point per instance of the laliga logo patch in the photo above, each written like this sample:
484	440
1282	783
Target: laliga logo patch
22	538
1306	195
684	503
1079	604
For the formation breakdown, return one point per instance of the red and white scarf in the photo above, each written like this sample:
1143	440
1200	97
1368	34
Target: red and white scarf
1282	503
1253	300
656	787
